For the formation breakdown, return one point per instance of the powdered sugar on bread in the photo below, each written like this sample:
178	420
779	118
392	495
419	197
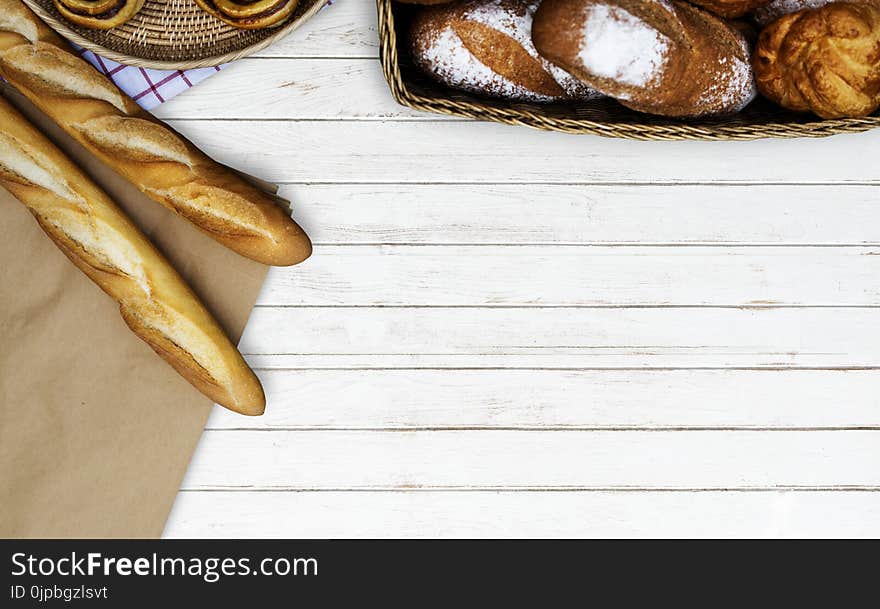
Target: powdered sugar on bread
618	45
444	55
737	89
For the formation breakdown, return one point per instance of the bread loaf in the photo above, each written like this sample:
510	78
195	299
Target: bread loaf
98	14
656	56
825	60
485	47
730	9
156	159
99	239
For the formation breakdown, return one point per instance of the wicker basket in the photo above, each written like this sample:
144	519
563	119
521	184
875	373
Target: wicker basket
173	35
605	117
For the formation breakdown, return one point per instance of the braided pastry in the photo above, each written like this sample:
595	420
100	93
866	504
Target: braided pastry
102	242
152	156
98	14
253	15
825	61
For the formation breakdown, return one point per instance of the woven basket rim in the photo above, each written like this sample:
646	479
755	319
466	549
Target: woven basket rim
485	110
64	30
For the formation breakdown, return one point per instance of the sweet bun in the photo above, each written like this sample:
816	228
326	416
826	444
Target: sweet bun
825	60
254	15
98	14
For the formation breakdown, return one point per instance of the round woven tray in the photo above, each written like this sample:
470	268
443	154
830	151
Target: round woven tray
173	35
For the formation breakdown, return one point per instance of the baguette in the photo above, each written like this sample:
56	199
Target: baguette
103	243
145	151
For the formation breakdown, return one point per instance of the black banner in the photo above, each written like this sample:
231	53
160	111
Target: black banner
130	573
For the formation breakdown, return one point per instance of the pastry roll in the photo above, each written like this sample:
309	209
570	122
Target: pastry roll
98	14
250	15
825	60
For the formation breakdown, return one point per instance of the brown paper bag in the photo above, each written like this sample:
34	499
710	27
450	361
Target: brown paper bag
96	431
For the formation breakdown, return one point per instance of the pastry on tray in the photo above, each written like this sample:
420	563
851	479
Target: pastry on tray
98	14
148	153
250	15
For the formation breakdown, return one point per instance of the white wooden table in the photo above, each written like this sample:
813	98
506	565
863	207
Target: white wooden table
505	332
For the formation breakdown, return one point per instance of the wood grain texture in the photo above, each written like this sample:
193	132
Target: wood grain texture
534	459
579	276
390	151
505	332
565	338
560	399
347	29
491	214
297	88
432	514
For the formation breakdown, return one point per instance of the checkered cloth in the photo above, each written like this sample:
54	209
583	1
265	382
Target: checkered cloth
149	88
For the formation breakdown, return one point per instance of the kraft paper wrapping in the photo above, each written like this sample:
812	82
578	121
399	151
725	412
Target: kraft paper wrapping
96	431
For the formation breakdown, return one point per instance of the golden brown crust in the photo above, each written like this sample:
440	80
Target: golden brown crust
730	9
98	14
104	244
250	15
825	61
485	47
151	155
684	61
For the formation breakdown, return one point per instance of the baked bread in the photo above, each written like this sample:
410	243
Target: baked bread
655	56
156	159
99	239
254	15
775	9
98	14
485	47
825	61
730	9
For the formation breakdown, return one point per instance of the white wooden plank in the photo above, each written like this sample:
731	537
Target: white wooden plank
346	29
562	337
541	399
456	152
578	276
432	514
303	88
563	214
339	460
